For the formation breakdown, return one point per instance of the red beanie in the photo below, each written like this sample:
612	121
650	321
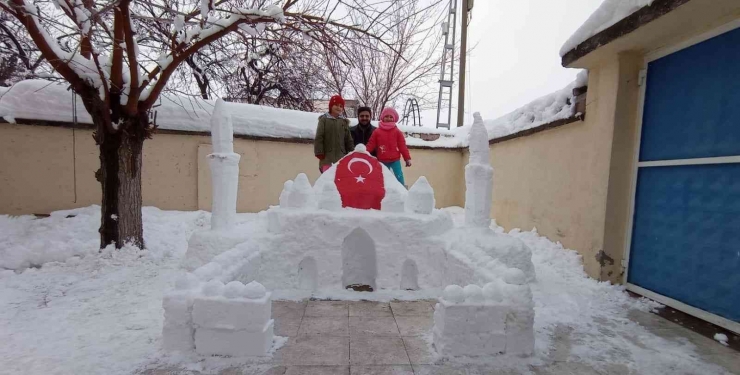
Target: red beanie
336	99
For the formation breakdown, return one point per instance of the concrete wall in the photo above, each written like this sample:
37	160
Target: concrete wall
40	173
557	180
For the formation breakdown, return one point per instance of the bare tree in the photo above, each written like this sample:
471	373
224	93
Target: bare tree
19	57
404	64
112	54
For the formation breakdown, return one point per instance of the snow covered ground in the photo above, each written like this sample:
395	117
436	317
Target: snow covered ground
101	313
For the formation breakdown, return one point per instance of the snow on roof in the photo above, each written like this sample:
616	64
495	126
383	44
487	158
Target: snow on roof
606	15
47	101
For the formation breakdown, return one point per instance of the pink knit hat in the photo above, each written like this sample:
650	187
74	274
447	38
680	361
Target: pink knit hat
389	111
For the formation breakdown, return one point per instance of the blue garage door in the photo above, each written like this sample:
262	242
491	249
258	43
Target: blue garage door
686	226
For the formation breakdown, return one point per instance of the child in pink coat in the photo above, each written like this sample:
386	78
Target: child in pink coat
390	144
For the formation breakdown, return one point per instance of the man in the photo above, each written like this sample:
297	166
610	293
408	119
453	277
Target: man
363	130
333	138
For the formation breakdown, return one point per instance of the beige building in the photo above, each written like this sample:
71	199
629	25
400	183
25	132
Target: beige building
652	197
623	185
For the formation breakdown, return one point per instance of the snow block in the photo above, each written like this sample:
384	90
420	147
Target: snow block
520	332
235	343
469	319
488	322
178	337
178	308
232	314
470	344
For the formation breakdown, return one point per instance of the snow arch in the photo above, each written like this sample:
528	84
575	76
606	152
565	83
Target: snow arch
359	261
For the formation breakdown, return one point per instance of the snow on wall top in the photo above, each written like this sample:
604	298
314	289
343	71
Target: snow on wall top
606	15
544	110
46	101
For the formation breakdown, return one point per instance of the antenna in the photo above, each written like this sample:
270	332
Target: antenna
446	79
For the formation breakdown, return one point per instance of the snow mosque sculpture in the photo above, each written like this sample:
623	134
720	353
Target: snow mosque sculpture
356	228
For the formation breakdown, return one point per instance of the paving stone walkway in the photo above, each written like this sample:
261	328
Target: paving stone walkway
371	338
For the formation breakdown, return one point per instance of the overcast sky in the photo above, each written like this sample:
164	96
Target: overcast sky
516	58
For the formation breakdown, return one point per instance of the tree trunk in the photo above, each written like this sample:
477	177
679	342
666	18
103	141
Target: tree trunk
120	178
120	167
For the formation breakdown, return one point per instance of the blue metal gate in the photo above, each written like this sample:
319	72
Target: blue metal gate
685	241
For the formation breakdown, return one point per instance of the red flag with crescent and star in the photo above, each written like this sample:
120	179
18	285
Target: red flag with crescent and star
359	180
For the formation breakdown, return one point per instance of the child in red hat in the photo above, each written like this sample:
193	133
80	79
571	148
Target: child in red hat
390	144
333	137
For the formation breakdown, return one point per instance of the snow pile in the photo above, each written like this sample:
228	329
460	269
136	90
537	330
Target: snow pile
721	338
607	14
68	236
98	312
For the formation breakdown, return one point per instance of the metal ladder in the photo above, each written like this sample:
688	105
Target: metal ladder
411	108
446	79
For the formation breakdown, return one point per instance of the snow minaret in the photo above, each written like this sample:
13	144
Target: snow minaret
478	177
224	165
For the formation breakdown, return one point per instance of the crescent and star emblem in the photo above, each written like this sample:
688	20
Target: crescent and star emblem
360	179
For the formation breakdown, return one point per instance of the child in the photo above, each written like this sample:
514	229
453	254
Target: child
390	143
333	138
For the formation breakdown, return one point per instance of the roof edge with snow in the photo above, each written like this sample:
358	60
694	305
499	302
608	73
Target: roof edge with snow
550	125
539	128
634	21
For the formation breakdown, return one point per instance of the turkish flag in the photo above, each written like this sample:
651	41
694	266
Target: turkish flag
359	180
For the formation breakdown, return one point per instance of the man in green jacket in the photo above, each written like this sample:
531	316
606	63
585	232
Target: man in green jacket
333	138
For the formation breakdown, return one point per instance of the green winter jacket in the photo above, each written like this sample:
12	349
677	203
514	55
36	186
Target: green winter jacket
333	139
